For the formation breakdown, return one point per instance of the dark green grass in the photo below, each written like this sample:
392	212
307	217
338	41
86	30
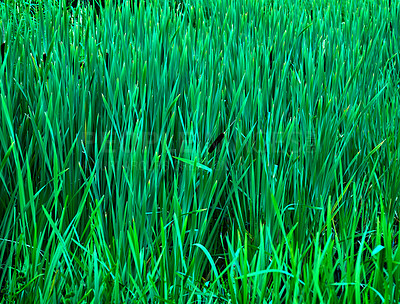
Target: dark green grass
200	151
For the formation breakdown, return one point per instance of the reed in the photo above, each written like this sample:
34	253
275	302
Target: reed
117	188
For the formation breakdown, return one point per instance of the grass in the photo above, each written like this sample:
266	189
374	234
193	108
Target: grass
200	152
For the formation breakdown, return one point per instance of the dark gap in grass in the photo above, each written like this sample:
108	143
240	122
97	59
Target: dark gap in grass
216	142
270	59
2	49
44	59
107	61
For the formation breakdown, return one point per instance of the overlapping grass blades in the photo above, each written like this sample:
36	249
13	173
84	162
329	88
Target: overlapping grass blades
110	191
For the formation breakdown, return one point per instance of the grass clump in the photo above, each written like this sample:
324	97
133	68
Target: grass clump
200	151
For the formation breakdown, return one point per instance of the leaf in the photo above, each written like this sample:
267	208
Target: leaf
190	162
3	162
377	249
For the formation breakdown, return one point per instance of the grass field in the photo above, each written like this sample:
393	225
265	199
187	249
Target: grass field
202	151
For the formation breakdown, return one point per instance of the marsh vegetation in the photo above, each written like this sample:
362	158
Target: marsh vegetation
200	152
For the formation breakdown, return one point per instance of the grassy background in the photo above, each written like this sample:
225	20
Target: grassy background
108	192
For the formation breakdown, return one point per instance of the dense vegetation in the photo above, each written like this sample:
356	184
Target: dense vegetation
113	188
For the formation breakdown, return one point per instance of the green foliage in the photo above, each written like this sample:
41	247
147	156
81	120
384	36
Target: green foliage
200	151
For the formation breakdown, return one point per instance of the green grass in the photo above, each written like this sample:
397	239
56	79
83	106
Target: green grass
109	194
